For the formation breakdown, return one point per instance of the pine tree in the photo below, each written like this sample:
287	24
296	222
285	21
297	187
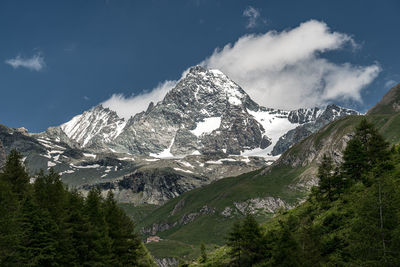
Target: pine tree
355	161
38	243
366	149
14	187
51	194
125	247
235	242
76	227
285	250
326	176
14	174
99	242
9	226
246	242
252	242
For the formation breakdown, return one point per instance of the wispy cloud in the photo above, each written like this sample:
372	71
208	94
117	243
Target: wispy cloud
253	15
390	83
36	62
127	106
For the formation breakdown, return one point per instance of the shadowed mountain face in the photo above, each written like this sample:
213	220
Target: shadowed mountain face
204	129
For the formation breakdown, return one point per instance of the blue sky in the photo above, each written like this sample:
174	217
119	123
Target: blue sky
60	58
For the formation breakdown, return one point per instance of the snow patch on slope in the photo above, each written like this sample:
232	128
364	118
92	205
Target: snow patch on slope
275	125
207	126
166	153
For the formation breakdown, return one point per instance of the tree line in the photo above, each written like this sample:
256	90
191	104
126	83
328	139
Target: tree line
45	224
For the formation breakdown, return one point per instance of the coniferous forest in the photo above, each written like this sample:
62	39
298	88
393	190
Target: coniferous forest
351	219
44	224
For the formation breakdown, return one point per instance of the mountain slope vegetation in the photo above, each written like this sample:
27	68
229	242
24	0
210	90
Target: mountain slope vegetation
287	182
350	219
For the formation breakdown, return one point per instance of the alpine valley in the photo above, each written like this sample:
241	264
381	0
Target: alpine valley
192	164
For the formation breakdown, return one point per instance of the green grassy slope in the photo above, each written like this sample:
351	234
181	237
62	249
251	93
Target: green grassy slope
183	241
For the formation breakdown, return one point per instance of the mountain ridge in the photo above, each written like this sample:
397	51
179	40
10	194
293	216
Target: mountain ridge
205	112
206	128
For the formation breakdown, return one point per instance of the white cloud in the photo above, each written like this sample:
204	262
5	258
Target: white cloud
129	106
252	14
36	62
389	84
277	69
286	69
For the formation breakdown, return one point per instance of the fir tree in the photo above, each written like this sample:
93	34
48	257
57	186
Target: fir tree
366	149
285	250
9	226
252	243
326	176
355	161
125	243
77	231
38	243
246	242
235	242
14	174
99	242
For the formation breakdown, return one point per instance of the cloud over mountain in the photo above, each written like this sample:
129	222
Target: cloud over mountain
278	69
127	106
287	69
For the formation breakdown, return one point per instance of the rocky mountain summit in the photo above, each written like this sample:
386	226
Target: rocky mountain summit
206	112
206	128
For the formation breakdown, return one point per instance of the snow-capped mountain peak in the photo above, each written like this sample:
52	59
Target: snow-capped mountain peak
206	112
202	85
96	123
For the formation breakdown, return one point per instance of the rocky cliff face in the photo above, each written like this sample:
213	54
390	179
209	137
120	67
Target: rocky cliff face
150	186
204	105
20	140
315	121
